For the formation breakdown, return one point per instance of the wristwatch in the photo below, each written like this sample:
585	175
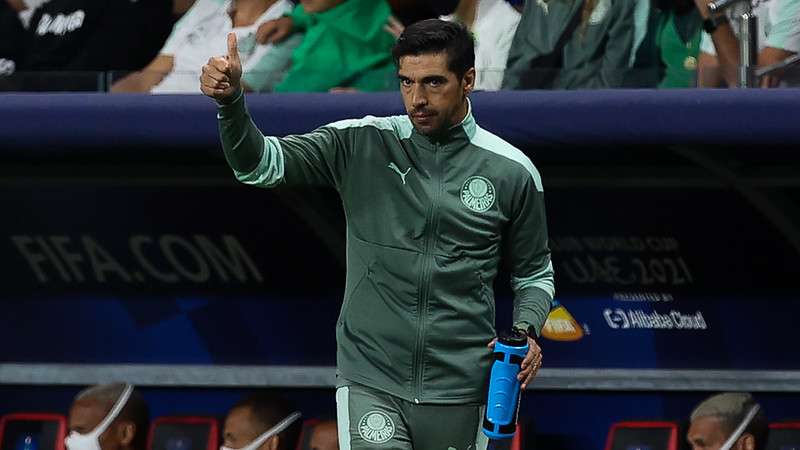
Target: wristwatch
711	24
530	331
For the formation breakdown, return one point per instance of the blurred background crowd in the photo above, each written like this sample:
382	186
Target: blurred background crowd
159	46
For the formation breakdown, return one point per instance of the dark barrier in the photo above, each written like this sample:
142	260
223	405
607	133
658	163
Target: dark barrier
673	222
534	118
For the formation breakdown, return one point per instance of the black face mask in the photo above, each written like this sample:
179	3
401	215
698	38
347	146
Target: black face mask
411	11
680	7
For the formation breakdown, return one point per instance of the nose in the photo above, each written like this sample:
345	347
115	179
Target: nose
418	97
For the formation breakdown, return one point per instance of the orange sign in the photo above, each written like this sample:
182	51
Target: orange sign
561	326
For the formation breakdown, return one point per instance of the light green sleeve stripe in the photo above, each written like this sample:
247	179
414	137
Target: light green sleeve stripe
343	416
400	125
494	144
543	280
269	171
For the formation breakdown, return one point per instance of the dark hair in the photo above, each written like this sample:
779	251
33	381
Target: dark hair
267	410
136	411
731	408
436	36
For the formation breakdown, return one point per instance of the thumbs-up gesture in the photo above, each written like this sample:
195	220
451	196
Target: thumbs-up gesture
222	75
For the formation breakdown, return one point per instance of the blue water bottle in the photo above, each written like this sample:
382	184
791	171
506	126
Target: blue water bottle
502	405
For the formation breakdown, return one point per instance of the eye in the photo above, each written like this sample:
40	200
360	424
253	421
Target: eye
405	82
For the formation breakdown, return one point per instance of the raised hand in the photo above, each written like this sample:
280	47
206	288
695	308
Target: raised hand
274	30
222	76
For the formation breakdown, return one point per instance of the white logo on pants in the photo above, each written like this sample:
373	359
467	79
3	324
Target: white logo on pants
376	427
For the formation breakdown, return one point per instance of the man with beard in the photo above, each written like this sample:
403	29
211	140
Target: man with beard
432	200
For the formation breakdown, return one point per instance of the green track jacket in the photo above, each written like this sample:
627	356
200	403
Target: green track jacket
427	223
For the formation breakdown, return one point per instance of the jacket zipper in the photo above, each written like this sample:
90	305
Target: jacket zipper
425	276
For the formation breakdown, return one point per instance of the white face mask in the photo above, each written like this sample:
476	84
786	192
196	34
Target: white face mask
91	440
737	433
282	425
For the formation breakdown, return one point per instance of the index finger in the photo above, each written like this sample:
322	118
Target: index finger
533	350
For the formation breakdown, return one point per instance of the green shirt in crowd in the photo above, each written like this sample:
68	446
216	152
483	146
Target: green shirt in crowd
345	46
678	43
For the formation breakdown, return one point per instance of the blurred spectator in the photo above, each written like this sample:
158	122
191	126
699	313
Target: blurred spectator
93	36
717	418
201	34
262	421
668	56
108	417
493	23
346	45
565	44
25	8
410	11
12	38
778	38
323	436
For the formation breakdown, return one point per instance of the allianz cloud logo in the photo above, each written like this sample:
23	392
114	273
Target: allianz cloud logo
622	319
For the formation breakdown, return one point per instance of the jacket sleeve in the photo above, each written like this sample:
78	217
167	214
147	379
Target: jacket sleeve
531	268
616	61
318	158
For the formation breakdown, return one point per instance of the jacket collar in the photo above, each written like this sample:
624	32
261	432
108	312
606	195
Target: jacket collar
453	138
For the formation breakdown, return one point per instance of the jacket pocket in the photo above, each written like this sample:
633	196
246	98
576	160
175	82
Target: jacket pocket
486	293
351	292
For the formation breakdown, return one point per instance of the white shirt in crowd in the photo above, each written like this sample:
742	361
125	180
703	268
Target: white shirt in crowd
778	25
495	24
26	14
202	33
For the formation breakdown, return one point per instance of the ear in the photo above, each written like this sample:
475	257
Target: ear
469	81
748	442
127	431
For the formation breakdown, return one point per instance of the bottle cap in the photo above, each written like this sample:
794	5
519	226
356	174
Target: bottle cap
513	338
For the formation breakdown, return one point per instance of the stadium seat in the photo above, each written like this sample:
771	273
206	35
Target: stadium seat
32	431
643	435
183	433
519	438
784	436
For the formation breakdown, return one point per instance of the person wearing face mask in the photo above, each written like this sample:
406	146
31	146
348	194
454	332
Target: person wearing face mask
729	421
108	417
261	421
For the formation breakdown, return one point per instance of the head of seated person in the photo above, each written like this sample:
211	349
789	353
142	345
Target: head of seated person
715	419
108	417
261	421
324	436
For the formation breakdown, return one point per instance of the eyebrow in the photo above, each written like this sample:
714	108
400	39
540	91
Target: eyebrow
427	79
430	78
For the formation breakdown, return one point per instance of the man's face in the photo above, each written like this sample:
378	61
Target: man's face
86	414
708	433
317	6
325	436
240	429
435	98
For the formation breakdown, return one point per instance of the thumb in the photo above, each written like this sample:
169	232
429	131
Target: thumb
233	49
